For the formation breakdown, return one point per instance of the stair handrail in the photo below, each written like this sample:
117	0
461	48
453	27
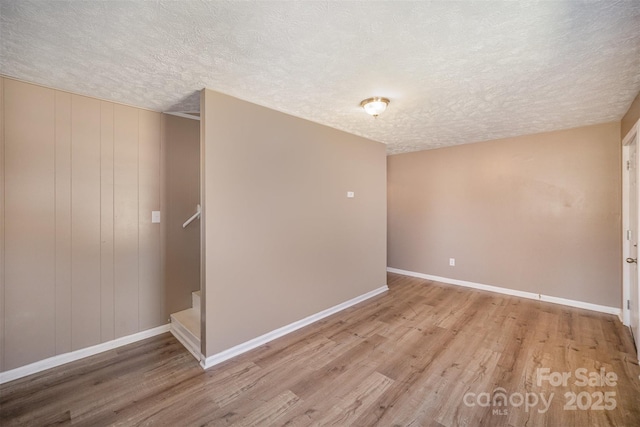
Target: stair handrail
193	217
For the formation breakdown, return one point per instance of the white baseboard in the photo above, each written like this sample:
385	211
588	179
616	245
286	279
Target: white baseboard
523	294
61	359
270	336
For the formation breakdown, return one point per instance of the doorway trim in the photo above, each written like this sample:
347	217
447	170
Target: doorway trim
634	133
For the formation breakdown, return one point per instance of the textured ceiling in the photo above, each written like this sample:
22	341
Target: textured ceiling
456	72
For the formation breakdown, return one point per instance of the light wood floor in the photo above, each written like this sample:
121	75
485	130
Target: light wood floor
405	358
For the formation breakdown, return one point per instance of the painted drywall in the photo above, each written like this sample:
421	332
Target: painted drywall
631	117
282	239
181	194
82	258
538	213
2	299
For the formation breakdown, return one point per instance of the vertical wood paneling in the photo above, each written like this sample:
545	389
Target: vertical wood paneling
85	211
63	222
2	166
150	283
106	221
80	259
29	223
125	227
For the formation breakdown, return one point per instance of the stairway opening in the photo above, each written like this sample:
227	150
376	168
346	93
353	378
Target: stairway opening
181	227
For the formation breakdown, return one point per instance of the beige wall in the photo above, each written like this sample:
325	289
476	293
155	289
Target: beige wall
631	117
282	240
538	213
82	259
2	299
181	194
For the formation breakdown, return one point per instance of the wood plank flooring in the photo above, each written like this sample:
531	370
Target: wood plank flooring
423	354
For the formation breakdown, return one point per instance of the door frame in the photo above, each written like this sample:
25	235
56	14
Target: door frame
633	134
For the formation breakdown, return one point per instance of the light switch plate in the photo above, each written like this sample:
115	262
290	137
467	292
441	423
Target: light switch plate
351	194
155	217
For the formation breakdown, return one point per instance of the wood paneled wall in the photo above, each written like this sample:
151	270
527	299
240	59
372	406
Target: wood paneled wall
81	258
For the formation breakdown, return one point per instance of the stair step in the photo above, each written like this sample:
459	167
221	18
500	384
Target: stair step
185	326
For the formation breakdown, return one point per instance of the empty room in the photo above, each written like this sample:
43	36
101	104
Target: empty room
297	213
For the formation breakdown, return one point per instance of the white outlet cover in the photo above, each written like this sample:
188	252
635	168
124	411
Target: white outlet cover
351	194
452	262
155	217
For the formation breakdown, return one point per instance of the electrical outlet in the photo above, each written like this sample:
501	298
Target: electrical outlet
452	262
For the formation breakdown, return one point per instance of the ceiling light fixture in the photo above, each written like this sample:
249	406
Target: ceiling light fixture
375	105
